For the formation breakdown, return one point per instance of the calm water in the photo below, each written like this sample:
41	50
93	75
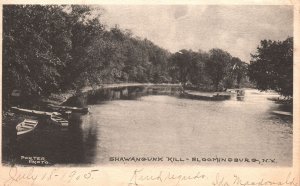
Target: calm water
160	125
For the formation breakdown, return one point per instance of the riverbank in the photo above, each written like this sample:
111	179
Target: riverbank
63	98
282	100
60	98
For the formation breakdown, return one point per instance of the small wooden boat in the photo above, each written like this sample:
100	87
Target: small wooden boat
283	113
31	112
59	121
26	126
60	108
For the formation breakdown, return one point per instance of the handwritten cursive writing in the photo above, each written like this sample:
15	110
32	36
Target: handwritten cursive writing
138	177
220	181
16	175
286	181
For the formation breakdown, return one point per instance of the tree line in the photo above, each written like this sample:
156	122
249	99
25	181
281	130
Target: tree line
53	48
215	70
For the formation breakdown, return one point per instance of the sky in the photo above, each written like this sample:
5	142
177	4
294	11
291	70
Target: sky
237	29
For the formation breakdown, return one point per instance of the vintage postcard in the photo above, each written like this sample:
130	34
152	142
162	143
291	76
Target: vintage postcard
150	93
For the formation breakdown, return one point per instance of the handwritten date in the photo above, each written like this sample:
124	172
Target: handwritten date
55	174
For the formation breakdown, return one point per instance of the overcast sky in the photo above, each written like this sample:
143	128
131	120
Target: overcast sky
236	29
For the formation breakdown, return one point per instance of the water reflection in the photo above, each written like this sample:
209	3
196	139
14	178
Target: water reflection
162	125
240	98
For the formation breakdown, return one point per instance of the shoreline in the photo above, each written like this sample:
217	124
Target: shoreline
61	98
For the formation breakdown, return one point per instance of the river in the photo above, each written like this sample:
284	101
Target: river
169	126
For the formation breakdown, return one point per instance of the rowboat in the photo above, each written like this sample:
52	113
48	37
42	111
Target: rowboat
31	112
67	108
26	126
59	121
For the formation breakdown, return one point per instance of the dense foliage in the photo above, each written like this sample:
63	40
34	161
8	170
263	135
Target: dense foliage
51	48
271	68
213	70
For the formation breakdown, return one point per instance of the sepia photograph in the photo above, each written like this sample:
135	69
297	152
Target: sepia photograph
108	84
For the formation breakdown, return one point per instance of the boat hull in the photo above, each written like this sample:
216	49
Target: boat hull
59	121
212	97
67	108
26	126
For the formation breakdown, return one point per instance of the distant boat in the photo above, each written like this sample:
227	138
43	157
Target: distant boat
283	113
59	121
240	92
67	108
26	126
213	96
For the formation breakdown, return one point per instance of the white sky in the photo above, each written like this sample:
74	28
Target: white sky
236	29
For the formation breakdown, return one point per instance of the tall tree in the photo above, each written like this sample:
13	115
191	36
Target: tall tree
217	66
185	66
271	68
237	71
85	27
31	58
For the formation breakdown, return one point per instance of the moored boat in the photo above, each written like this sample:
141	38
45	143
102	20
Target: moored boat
283	113
213	96
26	126
60	108
31	112
59	121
